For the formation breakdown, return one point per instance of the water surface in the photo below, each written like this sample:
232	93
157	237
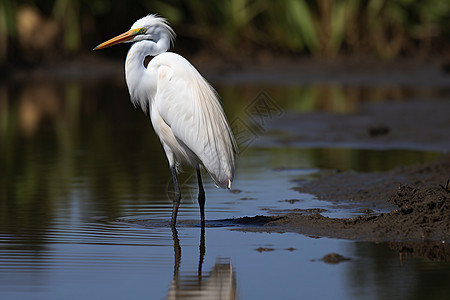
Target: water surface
81	169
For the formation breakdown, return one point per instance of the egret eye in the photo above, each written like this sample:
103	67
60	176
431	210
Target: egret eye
139	31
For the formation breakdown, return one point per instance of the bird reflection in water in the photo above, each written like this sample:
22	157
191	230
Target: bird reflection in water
219	283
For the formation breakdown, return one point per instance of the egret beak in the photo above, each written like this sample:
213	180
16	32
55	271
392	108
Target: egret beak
121	38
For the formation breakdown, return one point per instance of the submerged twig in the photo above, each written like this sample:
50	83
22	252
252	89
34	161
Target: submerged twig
446	186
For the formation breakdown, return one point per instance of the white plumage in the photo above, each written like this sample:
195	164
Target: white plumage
184	109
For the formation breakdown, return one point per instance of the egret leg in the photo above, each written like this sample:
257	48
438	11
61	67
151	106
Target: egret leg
176	197
177	255
201	196
201	258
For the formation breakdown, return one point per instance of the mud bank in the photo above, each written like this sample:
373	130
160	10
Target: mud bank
422	125
419	196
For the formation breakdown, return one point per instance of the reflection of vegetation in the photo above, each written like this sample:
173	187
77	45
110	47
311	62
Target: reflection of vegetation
385	276
432	250
60	142
339	158
323	28
327	97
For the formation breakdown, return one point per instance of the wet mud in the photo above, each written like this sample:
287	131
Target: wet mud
418	197
414	125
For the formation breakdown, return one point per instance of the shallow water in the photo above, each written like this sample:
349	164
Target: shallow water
85	203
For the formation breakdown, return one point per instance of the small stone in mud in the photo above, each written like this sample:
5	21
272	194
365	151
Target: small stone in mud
378	130
290	249
235	191
264	249
334	258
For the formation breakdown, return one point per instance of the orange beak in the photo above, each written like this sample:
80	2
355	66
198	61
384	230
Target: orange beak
121	38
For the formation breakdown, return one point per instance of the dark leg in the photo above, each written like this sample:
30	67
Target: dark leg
177	255
201	196
201	258
176	197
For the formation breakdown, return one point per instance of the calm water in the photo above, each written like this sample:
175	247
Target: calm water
85	203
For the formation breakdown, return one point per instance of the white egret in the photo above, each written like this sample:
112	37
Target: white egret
184	109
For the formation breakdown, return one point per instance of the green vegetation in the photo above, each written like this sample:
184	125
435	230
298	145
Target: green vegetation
323	28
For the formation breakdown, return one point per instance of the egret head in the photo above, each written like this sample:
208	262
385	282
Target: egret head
151	27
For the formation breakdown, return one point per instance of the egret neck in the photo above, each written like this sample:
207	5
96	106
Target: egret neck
137	75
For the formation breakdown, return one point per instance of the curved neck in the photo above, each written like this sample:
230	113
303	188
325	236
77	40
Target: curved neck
140	86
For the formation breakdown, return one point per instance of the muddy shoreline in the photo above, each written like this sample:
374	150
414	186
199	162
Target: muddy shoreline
419	196
414	199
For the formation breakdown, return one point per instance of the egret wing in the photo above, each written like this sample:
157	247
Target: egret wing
191	108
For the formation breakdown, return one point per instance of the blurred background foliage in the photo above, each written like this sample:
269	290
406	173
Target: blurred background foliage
32	31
